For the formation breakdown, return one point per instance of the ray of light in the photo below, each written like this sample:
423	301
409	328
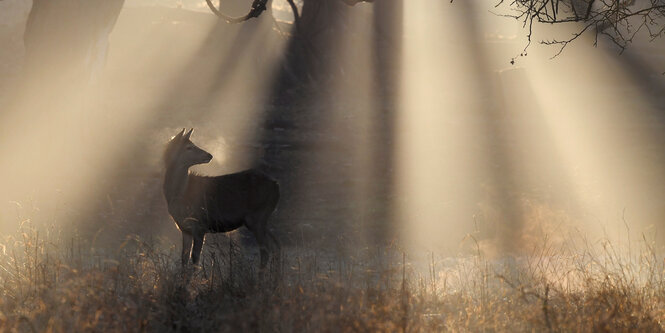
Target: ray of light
605	129
439	162
601	125
567	145
75	147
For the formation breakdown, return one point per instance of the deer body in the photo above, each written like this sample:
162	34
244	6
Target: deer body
202	204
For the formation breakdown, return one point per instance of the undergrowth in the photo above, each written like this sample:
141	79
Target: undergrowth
63	284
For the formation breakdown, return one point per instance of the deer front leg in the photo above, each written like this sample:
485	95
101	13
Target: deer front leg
198	244
186	248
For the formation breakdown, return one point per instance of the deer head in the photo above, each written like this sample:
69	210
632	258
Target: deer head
181	152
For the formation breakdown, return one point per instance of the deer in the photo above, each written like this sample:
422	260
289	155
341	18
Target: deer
216	204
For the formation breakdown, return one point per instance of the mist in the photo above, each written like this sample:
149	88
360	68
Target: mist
435	130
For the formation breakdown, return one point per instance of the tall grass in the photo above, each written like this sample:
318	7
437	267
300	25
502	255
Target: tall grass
64	284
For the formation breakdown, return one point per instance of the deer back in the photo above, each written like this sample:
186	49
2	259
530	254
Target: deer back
222	203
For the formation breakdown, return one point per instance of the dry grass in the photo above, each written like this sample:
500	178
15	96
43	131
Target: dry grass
52	283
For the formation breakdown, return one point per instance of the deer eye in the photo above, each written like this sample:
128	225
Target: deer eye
189	148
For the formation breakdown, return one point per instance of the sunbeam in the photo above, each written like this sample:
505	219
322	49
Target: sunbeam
485	147
438	153
73	143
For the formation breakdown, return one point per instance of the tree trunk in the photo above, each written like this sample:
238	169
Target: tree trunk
387	39
66	41
310	49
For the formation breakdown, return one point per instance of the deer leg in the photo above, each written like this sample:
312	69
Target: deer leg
274	240
198	245
276	252
186	248
263	249
258	229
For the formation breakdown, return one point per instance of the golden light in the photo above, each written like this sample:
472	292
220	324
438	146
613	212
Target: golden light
73	145
509	154
439	163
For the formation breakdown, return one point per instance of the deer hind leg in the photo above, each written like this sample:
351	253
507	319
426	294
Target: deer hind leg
277	247
198	245
186	248
258	229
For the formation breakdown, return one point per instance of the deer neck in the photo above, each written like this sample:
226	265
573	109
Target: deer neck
175	183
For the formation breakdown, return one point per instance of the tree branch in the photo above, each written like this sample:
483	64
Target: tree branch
296	15
618	20
258	7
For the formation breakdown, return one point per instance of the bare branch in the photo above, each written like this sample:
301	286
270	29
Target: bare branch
618	20
296	15
258	7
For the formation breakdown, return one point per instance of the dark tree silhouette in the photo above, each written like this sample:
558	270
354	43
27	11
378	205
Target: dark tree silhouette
68	39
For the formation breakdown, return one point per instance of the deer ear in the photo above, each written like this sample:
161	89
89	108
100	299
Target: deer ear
188	134
179	135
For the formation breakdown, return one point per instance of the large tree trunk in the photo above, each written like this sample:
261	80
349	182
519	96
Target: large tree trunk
44	125
318	69
310	51
387	39
67	40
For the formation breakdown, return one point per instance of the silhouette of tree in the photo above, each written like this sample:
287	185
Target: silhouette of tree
68	39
